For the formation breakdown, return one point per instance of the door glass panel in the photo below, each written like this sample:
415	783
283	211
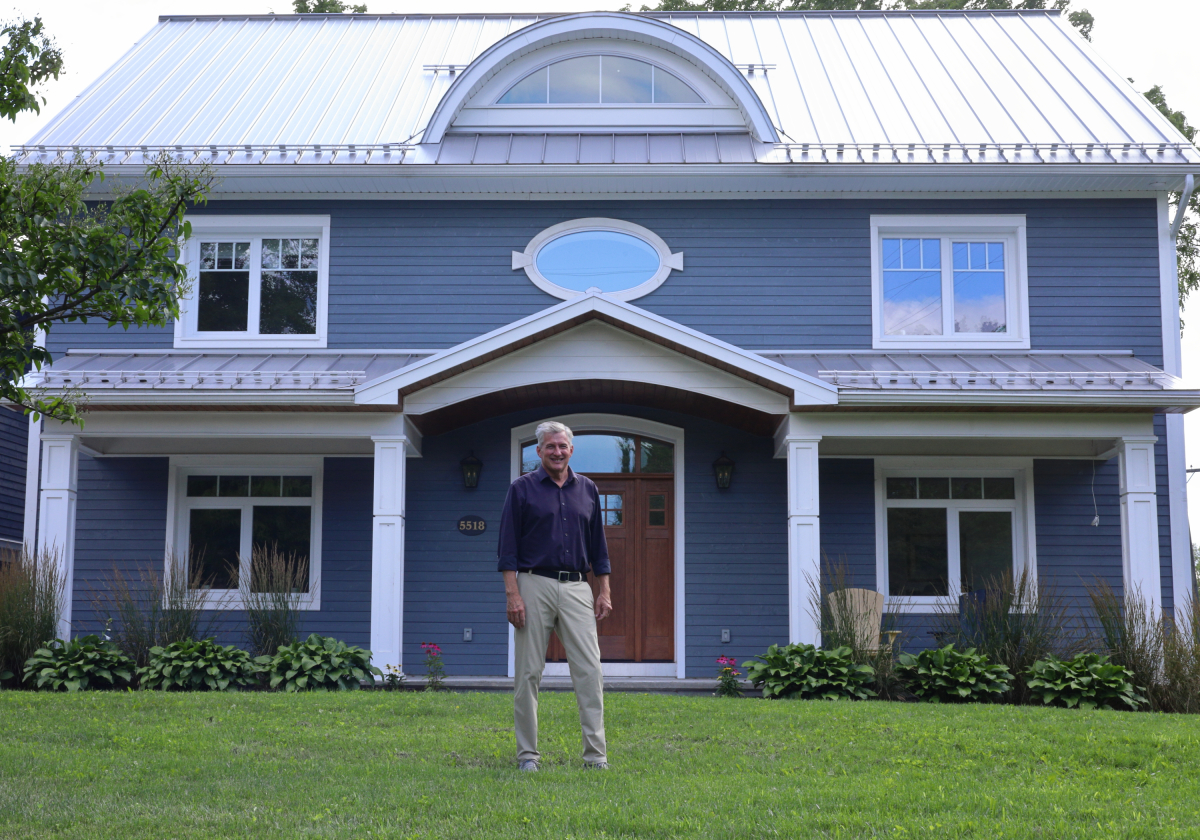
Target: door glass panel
214	541
657	514
657	456
612	505
917	551
985	540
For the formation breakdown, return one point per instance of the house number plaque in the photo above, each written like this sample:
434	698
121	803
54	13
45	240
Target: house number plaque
472	526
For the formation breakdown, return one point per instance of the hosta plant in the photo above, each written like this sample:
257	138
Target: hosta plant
949	675
82	663
806	672
319	662
1088	681
198	666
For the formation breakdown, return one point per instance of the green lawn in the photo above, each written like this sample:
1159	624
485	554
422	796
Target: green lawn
376	764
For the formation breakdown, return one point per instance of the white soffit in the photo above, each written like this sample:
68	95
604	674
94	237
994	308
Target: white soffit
865	87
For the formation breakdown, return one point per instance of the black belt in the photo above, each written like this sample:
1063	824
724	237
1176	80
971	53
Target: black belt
562	576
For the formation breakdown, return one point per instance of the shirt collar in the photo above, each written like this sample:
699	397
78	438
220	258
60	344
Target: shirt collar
541	475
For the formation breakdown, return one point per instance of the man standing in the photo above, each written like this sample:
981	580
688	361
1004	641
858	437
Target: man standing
551	536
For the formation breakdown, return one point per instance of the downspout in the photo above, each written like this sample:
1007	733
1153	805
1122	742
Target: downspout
1189	184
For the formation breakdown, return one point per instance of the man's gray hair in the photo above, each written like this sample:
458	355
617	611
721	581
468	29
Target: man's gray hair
553	427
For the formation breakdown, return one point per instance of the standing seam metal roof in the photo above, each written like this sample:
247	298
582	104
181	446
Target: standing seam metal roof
900	86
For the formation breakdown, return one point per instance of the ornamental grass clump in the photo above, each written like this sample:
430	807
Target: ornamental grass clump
1087	681
198	666
318	663
949	675
808	673
272	596
1132	636
1181	661
31	593
85	662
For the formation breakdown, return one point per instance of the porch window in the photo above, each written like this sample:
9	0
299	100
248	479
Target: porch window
230	517
947	534
949	282
256	282
597	452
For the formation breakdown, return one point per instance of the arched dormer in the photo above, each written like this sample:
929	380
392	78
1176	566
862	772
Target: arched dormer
705	92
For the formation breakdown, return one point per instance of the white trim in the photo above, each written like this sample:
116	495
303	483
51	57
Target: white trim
178	503
622	423
618	25
1168	278
387	550
33	460
1140	551
253	228
806	390
527	259
56	513
1009	228
1022	507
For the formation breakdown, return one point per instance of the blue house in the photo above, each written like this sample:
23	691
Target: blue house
896	289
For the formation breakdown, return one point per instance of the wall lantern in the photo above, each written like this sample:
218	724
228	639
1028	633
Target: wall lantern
470	470
723	470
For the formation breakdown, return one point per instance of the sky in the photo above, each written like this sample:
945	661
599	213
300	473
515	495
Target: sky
1146	40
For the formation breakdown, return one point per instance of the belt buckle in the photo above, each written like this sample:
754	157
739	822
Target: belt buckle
564	577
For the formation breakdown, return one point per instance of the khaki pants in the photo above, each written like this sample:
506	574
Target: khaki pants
567	609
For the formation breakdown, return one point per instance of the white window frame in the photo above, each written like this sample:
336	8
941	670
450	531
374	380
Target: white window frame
1022	507
1008	229
179	504
667	261
255	229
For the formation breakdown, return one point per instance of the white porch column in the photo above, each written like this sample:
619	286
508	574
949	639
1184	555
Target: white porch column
804	538
1139	520
387	552
56	521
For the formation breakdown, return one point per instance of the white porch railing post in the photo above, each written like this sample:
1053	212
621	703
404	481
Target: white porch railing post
387	552
56	521
804	538
1139	520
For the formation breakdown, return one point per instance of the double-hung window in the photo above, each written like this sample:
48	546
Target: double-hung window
256	281
946	532
230	516
949	282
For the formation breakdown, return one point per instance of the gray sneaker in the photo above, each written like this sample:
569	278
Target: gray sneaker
595	765
529	765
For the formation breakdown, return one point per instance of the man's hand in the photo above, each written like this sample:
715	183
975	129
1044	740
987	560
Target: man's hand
603	599
516	606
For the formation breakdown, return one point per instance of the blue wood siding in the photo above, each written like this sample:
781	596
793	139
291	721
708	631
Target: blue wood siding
848	518
14	443
759	274
121	527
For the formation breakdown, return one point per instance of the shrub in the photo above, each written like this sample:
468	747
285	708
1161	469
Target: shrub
1088	681
272	597
31	593
1013	621
319	662
82	663
948	675
198	666
806	672
151	610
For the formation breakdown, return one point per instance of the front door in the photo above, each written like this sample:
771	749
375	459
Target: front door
639	526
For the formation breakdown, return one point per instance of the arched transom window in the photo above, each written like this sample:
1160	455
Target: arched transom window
600	80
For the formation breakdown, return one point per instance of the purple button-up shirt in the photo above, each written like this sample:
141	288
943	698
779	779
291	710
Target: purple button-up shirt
545	526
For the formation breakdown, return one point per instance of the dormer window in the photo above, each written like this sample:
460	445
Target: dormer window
600	80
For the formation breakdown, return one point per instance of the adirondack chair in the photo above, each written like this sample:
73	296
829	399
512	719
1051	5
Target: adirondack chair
864	609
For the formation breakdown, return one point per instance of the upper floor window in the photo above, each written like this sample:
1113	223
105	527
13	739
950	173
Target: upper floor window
617	258
955	282
600	80
257	280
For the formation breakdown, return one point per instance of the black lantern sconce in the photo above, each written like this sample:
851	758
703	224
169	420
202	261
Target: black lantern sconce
723	470
471	467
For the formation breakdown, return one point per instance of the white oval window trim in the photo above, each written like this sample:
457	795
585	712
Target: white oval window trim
667	261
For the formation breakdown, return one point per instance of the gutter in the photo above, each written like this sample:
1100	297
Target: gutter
1189	184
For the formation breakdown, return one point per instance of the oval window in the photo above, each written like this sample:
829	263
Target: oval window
601	259
609	256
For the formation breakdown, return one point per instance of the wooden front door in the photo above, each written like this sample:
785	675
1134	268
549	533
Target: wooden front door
639	516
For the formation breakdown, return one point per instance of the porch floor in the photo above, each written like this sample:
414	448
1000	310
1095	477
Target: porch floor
642	685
